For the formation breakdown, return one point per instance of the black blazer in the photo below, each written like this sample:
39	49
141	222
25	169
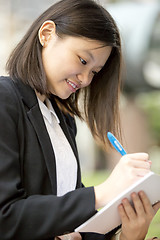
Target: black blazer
29	207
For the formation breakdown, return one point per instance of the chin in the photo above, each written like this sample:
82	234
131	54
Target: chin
60	95
63	96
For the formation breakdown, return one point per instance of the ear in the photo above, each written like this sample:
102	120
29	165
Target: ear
46	31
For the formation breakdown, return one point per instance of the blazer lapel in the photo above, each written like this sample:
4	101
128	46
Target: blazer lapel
34	114
36	119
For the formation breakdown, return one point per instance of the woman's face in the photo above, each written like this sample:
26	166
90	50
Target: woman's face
70	63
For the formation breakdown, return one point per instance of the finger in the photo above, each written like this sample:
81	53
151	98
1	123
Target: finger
65	237
139	156
138	204
129	209
141	172
141	164
122	214
146	203
75	236
156	206
152	238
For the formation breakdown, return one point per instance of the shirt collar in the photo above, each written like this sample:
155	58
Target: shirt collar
47	110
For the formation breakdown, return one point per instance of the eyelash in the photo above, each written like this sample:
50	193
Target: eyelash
84	63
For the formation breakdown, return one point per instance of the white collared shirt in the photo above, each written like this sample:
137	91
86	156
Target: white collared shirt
66	164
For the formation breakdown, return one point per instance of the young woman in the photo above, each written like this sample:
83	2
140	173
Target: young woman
68	64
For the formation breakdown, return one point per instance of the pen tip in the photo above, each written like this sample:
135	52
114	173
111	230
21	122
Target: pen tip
109	133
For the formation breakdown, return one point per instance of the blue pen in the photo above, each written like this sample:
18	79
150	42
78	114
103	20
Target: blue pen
116	143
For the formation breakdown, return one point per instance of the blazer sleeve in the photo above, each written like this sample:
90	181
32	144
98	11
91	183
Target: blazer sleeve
34	217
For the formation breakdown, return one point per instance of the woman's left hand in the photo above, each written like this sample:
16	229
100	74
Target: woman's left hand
136	220
70	236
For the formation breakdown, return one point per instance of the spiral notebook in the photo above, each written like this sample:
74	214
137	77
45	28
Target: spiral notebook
108	217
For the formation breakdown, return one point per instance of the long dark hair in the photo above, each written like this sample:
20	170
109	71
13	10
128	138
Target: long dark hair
81	18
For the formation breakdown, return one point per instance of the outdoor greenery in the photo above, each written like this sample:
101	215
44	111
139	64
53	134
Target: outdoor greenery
150	103
92	179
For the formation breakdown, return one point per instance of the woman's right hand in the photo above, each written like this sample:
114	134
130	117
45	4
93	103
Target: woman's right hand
129	169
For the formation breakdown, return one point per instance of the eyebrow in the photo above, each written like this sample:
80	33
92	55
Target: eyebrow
91	56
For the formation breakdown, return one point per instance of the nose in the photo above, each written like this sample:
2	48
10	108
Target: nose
84	78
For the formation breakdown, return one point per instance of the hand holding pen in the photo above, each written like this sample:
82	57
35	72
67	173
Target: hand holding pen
132	166
137	156
129	169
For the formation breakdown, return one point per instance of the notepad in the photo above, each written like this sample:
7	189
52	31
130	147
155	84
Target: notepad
108	217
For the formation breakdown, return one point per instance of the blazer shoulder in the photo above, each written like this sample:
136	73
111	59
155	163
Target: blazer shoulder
8	92
7	85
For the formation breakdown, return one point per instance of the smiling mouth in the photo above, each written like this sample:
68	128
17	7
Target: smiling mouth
73	85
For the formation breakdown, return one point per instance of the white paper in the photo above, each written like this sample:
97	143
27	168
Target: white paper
108	217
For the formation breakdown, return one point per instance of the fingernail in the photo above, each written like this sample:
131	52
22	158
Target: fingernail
133	195
141	193
120	206
125	200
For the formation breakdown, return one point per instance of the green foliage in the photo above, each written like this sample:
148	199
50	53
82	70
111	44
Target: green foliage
150	103
154	229
94	178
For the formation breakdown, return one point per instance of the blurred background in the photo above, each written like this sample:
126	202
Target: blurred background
139	25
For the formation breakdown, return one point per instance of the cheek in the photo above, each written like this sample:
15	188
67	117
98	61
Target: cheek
70	69
60	63
46	61
50	57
